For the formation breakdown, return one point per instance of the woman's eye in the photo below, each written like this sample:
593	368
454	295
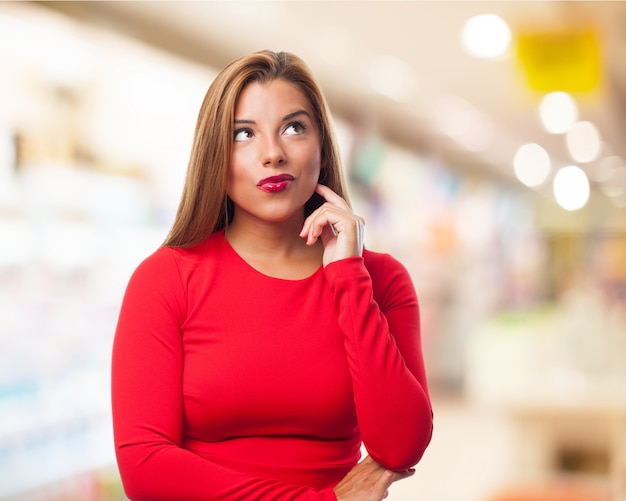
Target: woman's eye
295	128
242	135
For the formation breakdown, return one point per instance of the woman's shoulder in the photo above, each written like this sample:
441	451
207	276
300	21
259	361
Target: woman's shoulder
179	259
380	261
388	274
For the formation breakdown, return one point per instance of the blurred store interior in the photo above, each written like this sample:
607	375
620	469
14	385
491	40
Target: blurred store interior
485	144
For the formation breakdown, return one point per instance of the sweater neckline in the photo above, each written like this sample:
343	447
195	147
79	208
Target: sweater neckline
230	249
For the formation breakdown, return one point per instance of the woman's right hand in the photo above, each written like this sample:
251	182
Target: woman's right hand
368	481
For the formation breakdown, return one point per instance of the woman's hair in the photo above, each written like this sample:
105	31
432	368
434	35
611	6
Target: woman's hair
204	206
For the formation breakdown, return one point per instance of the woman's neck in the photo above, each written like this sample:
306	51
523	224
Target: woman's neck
275	249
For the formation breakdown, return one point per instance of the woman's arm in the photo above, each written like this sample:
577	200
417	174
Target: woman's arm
381	325
148	402
382	340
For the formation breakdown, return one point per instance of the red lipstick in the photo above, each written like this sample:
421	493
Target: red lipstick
275	184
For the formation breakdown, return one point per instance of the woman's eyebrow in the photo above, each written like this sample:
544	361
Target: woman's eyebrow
289	116
295	114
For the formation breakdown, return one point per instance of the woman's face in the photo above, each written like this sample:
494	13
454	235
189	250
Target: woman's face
276	153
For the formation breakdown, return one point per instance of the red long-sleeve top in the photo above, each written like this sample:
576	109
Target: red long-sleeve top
228	384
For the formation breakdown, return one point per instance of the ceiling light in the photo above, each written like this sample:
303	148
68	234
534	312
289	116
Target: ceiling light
583	142
486	36
531	164
558	112
571	188
392	77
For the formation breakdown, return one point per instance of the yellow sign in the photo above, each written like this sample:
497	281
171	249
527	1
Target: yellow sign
566	60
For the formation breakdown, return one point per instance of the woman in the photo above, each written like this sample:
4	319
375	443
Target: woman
261	344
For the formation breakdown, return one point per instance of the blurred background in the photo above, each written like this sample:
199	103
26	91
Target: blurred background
485	144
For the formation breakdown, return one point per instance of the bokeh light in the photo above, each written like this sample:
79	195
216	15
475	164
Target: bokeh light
583	142
558	112
531	164
571	188
486	36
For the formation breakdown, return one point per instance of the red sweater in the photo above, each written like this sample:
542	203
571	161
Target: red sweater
228	384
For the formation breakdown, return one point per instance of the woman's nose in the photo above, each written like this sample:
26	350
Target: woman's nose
273	153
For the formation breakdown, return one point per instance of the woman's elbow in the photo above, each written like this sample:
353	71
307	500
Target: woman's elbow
137	482
410	451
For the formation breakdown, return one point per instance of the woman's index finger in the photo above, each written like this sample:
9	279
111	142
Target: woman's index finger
330	195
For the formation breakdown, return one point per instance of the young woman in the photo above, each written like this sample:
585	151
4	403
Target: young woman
261	345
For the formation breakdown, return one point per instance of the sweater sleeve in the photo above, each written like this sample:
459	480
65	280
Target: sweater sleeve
147	401
383	345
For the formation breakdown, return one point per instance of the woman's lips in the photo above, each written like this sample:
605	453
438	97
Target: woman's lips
275	184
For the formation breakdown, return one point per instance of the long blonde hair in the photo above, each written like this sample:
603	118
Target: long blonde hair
204	206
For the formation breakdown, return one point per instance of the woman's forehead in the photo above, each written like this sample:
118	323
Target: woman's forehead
277	95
